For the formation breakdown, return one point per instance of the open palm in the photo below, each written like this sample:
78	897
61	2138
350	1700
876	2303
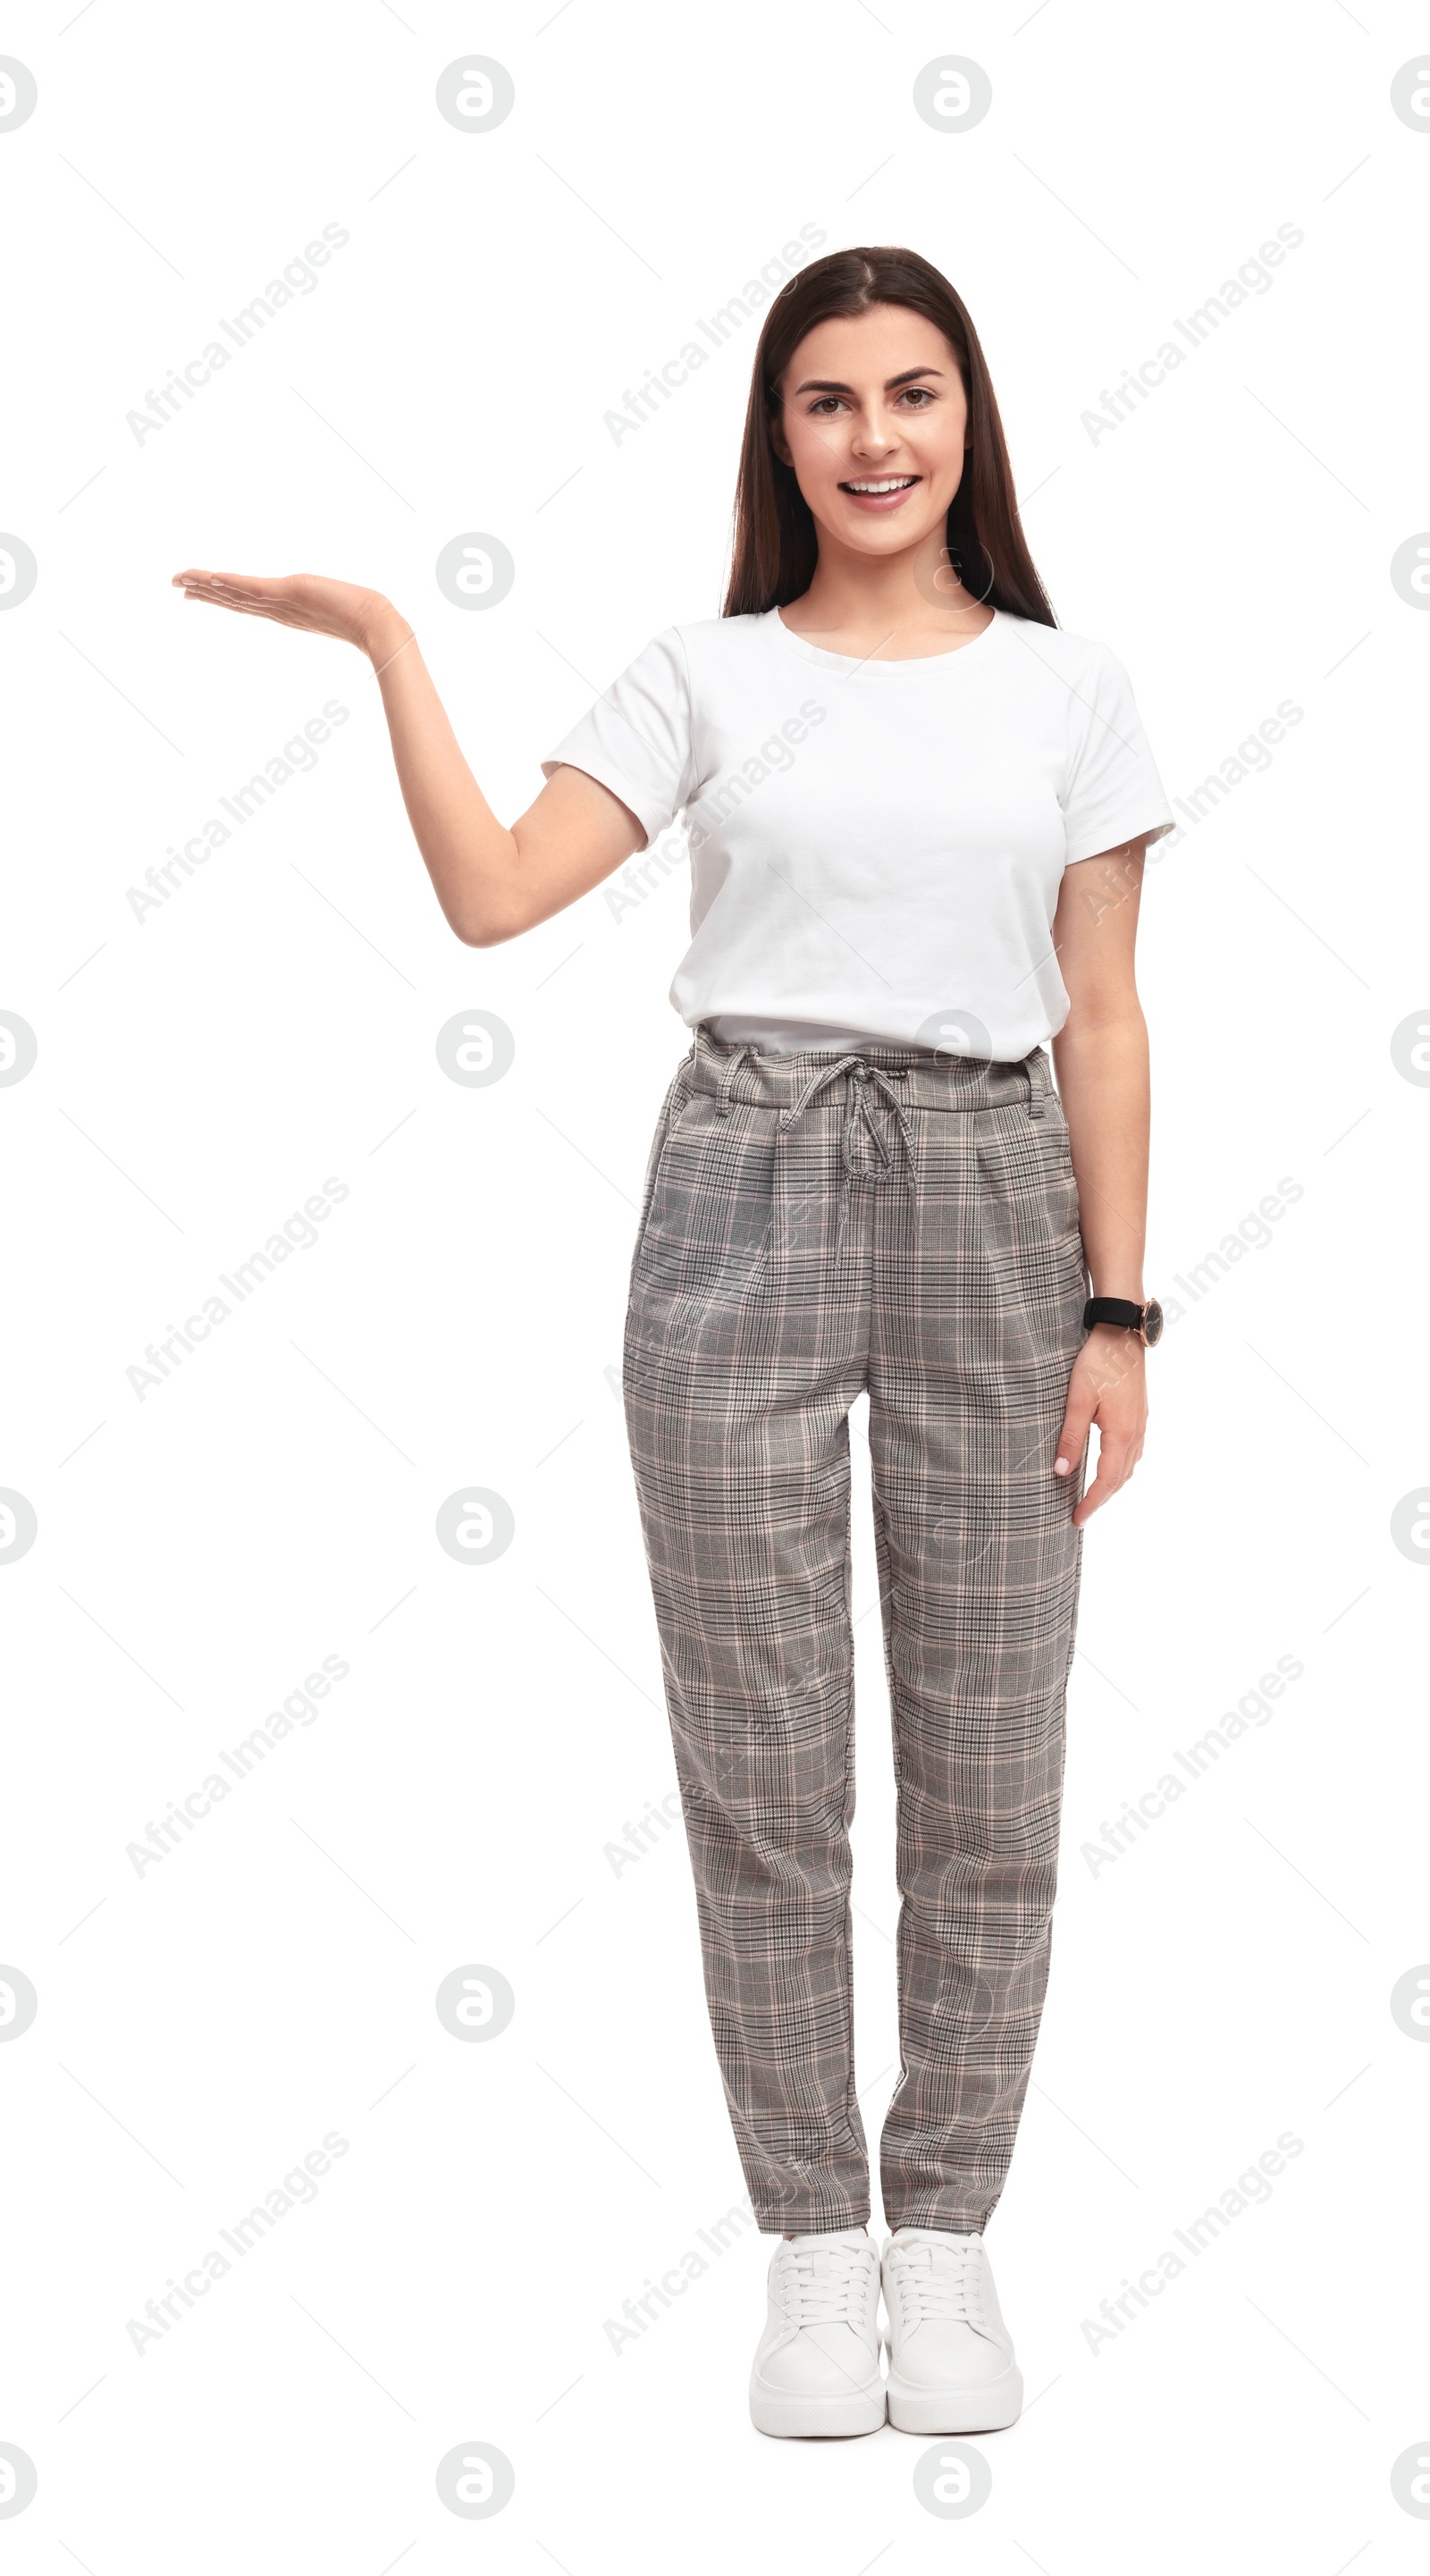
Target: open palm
307	600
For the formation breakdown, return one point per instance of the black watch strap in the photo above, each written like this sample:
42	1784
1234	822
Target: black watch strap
1144	1320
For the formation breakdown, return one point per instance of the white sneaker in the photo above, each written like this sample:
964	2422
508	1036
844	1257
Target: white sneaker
817	2362
951	2365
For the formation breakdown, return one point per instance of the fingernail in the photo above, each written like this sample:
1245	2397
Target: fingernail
1061	1466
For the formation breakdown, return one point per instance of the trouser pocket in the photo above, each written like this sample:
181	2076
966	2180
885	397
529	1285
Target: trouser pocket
670	1112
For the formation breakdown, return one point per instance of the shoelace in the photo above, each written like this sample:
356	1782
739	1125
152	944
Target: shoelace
815	2284
933	2281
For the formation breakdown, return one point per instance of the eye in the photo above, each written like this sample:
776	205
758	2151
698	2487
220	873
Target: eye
920	395
817	409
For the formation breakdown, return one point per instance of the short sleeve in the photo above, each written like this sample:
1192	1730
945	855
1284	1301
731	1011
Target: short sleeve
637	738
1113	791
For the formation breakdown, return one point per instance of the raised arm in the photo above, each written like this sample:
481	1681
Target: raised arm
492	880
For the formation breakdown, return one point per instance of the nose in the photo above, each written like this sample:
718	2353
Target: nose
876	435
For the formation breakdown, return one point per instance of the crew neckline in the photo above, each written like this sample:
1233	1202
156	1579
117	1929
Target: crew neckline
851	662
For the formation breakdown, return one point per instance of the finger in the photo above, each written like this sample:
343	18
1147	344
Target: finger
218	590
226	594
240	590
212	597
242	608
1077	1423
271	584
279	613
196	577
1114	1466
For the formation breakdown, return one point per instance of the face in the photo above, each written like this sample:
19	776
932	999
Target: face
873	421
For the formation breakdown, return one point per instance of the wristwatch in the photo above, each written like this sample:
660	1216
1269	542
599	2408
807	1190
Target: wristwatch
1145	1321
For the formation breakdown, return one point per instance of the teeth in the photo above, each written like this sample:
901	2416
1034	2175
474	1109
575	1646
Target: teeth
893	483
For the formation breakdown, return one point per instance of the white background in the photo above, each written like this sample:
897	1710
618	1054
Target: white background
202	1070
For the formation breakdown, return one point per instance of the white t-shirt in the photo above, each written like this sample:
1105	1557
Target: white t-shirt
876	847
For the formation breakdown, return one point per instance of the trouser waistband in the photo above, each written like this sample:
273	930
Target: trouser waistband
905	1077
902	1079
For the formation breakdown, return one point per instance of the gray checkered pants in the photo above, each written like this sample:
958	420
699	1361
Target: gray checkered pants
814	1226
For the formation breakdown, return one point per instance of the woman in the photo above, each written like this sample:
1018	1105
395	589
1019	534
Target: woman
918	812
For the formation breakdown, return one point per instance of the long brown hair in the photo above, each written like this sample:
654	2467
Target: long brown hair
776	543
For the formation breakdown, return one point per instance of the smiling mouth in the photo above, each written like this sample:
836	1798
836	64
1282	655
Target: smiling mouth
880	487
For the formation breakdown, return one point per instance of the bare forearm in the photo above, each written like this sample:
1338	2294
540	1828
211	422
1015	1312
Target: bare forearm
470	856
492	883
1104	1079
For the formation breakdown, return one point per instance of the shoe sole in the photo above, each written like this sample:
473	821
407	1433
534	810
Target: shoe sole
989	2409
778	2411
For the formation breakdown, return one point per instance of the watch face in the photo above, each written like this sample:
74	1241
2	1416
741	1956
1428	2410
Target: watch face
1152	1321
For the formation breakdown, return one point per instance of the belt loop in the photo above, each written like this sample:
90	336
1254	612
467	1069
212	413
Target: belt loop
1037	1082
731	1068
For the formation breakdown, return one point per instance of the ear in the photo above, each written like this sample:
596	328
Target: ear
778	440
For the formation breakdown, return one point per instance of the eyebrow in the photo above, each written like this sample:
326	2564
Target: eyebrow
831	385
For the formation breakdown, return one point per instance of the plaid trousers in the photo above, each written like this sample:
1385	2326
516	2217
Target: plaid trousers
815	1226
